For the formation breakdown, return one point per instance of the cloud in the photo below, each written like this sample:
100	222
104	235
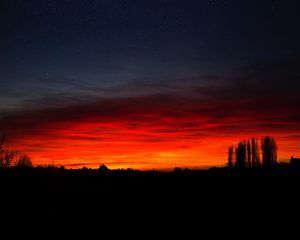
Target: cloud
164	113
251	101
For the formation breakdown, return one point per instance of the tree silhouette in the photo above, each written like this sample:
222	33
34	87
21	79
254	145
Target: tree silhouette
230	156
269	151
7	156
246	154
103	168
10	158
24	162
2	150
249	154
255	153
240	152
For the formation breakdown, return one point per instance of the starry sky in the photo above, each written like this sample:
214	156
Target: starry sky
148	83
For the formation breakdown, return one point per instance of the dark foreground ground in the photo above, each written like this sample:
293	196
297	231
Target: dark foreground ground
194	200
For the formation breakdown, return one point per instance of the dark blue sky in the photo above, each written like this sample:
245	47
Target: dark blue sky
85	49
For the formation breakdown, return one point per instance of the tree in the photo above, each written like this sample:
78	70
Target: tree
230	156
255	153
2	150
240	152
7	156
10	158
269	151
24	162
103	168
249	154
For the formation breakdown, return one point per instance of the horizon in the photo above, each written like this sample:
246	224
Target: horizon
153	84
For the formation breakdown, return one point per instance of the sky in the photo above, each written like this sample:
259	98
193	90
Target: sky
148	84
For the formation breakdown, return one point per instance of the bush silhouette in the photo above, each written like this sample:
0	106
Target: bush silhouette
24	162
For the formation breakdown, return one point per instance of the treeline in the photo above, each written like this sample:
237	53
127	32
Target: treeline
248	153
12	158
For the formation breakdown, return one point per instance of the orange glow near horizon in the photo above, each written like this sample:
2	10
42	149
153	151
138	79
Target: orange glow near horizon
155	132
145	148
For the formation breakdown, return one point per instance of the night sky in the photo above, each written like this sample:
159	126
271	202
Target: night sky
148	83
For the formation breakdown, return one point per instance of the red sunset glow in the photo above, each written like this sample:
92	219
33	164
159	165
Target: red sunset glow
158	132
